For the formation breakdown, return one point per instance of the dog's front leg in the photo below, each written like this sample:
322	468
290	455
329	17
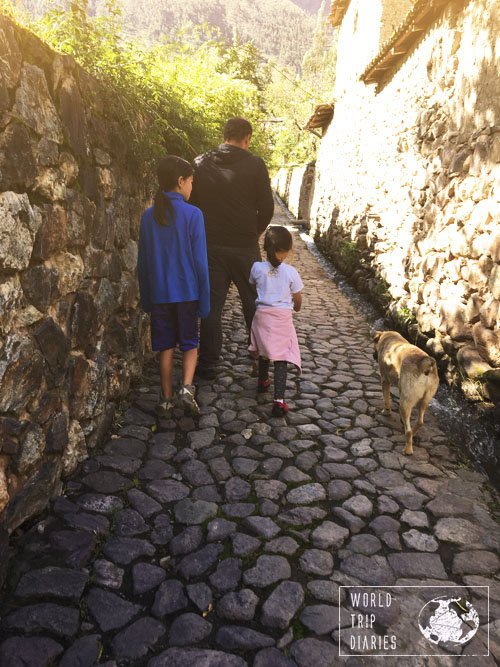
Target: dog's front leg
405	412
386	388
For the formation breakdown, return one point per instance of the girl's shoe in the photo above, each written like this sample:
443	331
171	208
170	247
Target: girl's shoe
280	408
164	407
187	401
263	386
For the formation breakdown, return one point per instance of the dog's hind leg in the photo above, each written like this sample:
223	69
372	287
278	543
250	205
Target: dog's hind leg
422	407
405	412
386	389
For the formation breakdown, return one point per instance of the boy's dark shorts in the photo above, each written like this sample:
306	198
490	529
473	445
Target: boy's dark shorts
174	323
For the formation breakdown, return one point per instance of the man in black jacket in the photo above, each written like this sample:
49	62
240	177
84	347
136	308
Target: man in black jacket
232	188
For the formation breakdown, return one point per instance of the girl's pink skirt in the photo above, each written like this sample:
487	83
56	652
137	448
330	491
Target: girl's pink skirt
273	336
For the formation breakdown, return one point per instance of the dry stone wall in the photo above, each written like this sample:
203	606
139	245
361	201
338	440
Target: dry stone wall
407	188
295	186
71	334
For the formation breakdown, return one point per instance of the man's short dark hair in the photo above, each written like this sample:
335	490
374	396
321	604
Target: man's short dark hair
237	129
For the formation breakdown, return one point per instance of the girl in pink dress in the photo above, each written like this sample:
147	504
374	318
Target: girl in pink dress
273	336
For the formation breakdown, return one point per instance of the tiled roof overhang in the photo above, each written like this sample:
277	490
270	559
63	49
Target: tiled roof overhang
321	117
403	39
337	11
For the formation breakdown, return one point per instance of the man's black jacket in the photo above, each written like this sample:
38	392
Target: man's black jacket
231	186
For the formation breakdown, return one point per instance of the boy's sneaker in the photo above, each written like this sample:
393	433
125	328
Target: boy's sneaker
280	408
187	401
263	386
164	407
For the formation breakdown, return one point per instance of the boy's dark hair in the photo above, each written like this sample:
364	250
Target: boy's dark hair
276	238
237	129
169	170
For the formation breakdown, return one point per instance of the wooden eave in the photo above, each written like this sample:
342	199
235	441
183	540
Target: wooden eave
403	39
321	118
337	11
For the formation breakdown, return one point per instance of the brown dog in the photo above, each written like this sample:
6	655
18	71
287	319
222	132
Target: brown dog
414	371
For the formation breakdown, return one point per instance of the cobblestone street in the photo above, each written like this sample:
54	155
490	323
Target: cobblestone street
223	543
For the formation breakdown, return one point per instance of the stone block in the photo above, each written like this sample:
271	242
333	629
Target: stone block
494	282
75	450
57	438
473	308
50	183
19	223
11	302
80	215
17	158
87	388
31	449
70	270
40	286
471	362
487	343
51	236
54	347
21	372
34	496
72	111
475	274
489	312
47	153
11	55
84	321
34	106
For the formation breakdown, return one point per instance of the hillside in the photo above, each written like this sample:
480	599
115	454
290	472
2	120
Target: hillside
310	6
281	29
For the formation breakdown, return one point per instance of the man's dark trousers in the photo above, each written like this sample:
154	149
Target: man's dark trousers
226	265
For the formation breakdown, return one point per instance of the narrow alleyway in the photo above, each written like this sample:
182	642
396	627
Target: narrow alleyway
224	543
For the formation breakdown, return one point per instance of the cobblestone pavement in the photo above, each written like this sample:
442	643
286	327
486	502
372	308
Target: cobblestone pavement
223	543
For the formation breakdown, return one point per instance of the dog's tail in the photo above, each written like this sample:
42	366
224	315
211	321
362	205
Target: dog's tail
427	365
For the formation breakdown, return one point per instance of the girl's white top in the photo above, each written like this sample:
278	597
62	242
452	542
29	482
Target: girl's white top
275	286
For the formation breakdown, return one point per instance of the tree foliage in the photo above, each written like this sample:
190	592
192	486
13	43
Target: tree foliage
174	96
294	98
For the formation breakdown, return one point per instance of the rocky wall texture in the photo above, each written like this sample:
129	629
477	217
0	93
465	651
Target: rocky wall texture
295	186
71	335
407	191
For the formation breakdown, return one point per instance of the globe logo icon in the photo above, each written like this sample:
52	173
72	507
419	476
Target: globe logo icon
448	622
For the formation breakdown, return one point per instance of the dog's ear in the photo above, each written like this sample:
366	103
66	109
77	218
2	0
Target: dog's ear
376	336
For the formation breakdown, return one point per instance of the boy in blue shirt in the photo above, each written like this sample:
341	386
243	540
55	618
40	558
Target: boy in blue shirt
173	278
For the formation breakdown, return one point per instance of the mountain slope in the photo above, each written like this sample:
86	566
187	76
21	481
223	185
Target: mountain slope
279	28
310	6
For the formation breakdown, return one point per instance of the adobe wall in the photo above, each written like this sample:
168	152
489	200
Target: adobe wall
407	190
71	334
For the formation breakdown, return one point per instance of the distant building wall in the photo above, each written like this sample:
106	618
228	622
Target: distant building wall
407	189
295	186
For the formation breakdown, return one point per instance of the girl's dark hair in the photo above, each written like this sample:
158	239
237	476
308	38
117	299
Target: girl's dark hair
276	238
169	170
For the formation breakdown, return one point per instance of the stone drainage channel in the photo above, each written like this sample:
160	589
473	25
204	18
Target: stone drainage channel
224	541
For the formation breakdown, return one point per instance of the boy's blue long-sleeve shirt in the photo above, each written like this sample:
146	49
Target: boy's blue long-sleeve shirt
172	263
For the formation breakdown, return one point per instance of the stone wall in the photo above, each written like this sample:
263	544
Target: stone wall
71	335
295	186
407	191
